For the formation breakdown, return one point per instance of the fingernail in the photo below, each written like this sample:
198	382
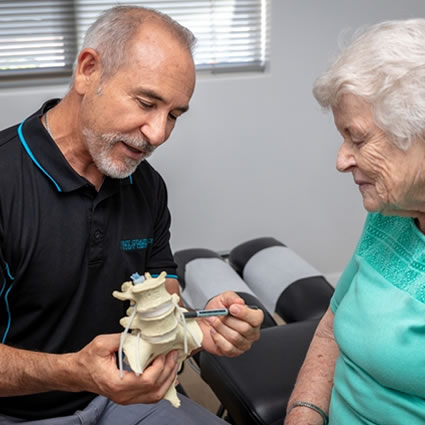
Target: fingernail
213	331
235	309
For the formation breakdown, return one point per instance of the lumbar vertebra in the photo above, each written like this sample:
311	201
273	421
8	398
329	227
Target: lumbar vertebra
157	326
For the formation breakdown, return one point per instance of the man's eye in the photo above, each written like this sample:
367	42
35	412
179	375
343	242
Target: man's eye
144	104
172	117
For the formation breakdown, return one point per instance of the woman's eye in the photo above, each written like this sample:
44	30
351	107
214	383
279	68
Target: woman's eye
357	139
358	142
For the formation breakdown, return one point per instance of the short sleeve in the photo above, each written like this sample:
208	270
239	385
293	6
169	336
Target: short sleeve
344	283
347	276
161	258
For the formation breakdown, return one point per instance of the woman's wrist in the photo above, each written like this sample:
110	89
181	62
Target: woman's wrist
316	410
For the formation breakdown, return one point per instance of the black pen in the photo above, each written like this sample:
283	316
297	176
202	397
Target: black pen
210	312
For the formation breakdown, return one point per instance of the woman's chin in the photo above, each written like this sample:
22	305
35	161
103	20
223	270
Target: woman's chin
371	206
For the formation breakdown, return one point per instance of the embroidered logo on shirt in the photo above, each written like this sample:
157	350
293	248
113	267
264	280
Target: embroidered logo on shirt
135	244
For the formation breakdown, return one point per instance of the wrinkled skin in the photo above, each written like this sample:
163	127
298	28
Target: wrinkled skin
390	179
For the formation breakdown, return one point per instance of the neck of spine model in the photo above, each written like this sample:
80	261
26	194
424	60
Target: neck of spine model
154	325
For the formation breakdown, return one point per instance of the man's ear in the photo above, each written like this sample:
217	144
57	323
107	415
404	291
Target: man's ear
88	70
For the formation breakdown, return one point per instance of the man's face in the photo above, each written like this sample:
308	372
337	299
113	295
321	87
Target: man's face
133	112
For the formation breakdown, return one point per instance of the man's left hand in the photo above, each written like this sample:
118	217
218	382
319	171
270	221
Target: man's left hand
234	334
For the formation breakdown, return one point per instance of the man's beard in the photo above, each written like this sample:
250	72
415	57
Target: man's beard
100	148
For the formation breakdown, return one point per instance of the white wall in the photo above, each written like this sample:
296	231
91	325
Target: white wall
255	156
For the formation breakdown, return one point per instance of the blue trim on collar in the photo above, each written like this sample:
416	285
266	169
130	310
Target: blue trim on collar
130	178
33	158
8	273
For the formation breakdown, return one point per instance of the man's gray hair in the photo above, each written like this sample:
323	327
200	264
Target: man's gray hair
115	27
385	65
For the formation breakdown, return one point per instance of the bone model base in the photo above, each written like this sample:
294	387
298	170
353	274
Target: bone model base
157	326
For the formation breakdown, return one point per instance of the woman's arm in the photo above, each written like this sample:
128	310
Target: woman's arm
315	379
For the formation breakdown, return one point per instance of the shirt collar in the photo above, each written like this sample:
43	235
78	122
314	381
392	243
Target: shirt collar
46	155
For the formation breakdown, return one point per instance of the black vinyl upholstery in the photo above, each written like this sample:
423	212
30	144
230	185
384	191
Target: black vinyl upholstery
305	299
255	387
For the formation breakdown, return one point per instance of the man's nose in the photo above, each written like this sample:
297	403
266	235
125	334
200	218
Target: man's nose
345	159
155	129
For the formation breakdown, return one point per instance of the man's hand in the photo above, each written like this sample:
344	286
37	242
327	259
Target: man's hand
96	371
234	334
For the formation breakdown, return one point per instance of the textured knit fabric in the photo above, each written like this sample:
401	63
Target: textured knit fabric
379	307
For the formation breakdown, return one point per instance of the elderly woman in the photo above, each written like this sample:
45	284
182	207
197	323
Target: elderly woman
366	363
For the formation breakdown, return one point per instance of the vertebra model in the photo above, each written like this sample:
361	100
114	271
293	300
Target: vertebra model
157	326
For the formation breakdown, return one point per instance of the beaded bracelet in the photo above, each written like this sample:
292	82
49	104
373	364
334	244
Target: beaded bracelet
313	407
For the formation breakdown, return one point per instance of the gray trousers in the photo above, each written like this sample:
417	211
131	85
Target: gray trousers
102	411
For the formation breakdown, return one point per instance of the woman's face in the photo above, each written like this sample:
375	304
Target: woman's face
390	180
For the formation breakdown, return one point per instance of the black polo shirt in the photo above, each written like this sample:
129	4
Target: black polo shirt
64	247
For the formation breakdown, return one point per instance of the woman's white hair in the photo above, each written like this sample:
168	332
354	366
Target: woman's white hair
385	65
115	27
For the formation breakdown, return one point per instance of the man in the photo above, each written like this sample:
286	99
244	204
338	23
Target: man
80	211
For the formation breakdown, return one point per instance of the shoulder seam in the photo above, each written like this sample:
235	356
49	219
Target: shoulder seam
9	139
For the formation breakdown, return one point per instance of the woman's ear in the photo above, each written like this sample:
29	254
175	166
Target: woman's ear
88	70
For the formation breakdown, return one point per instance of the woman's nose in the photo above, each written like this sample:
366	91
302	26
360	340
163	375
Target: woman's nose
345	159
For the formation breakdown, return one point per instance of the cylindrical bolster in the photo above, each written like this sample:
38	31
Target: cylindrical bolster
270	270
241	254
205	275
184	256
305	299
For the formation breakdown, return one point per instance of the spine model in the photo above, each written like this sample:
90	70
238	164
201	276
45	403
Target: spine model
154	325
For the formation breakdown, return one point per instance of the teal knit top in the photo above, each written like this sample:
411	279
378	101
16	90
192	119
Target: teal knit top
379	326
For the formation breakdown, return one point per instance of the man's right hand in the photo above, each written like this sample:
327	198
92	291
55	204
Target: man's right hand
95	370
